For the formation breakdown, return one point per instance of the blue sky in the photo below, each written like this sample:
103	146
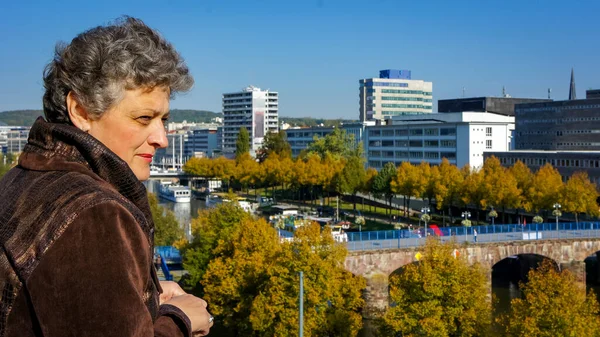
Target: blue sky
313	52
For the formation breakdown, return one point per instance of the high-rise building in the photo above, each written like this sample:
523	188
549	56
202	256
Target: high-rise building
394	93
252	108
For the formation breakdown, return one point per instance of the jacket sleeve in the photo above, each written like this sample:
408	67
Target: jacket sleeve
91	281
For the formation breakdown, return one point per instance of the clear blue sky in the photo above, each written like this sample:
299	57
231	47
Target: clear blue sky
313	52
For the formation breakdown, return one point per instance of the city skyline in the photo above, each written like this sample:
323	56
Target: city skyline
314	52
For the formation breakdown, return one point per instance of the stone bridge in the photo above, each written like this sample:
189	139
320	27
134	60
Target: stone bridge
376	266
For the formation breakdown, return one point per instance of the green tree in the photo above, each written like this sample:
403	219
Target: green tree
338	144
252	283
382	183
353	176
242	143
166	227
274	142
439	296
553	304
6	163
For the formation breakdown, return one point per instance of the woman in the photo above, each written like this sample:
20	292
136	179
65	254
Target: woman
75	224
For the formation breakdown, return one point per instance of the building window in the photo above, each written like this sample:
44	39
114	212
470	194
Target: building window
416	143
416	154
401	143
488	144
447	131
416	132
402	132
432	132
432	155
448	143
488	131
431	143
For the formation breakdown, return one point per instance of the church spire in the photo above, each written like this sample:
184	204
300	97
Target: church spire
572	92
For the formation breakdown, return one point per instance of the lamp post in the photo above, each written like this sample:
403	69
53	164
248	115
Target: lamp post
466	222
557	212
425	216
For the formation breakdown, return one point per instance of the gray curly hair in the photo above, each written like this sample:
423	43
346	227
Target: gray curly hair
101	63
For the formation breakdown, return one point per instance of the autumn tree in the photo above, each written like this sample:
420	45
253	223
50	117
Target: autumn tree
252	283
579	195
166	227
545	189
501	187
440	296
409	182
208	229
552	304
199	167
246	170
274	142
448	186
242	143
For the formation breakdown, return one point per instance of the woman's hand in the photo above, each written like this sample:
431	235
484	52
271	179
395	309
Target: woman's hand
170	289
195	309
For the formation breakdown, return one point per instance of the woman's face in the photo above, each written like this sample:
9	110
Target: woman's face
134	128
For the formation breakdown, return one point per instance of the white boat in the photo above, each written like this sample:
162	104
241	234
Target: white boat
175	193
212	200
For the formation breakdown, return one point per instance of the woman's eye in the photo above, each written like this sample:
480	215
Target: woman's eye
145	119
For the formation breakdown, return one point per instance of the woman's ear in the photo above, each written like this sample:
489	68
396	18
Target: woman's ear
77	113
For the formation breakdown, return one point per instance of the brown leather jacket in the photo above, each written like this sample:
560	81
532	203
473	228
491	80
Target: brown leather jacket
76	237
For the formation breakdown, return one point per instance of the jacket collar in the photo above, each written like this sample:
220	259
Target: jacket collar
63	147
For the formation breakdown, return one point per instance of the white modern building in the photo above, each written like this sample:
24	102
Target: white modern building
13	138
394	93
252	108
460	137
300	138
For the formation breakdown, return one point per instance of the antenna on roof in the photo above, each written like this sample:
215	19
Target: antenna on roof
503	91
549	92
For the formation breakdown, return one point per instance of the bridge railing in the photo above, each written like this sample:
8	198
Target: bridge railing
405	238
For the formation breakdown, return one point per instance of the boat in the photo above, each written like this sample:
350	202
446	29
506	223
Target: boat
175	193
212	200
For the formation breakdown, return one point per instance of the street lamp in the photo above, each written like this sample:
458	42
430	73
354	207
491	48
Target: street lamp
466	222
557	213
425	217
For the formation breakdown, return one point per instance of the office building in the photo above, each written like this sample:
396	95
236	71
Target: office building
592	94
572	125
565	134
201	142
252	108
498	105
460	137
394	93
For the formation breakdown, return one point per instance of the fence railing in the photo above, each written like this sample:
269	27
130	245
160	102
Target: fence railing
405	238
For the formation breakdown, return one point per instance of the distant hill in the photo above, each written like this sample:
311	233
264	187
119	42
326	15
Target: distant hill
197	116
309	121
27	117
20	117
